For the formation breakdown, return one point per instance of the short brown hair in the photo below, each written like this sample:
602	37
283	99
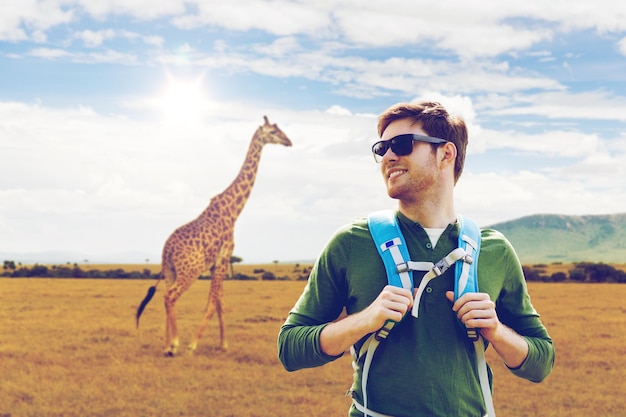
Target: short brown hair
435	121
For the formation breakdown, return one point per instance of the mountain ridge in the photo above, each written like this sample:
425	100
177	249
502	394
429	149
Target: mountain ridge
548	238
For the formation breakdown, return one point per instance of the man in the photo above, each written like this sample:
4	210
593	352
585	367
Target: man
426	366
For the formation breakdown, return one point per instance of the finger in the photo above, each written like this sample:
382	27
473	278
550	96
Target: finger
473	301
398	291
401	306
480	318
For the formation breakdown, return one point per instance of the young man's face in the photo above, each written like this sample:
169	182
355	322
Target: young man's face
409	177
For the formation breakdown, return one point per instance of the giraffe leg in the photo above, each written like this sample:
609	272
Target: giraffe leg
215	297
171	329
220	312
228	249
207	317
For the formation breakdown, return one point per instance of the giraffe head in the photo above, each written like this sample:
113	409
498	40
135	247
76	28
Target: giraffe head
270	133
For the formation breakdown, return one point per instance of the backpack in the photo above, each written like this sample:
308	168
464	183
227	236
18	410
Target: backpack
385	231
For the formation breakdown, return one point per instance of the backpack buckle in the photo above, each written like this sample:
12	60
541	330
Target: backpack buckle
472	334
441	267
383	332
403	267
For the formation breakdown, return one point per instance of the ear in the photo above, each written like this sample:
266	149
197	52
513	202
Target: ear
447	153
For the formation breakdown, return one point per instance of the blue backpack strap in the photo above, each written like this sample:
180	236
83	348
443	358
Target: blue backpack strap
466	272
467	281
385	231
389	241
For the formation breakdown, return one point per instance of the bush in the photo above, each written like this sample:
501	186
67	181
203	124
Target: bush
531	274
268	276
244	277
559	277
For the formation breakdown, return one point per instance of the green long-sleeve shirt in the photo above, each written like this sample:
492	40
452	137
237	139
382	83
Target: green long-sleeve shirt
426	366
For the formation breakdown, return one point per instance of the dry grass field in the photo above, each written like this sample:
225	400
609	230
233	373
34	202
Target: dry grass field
70	348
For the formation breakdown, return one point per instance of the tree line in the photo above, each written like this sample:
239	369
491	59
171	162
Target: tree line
582	272
11	270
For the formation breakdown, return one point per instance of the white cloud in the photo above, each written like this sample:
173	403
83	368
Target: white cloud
49	53
587	105
361	77
621	45
22	19
555	143
494	197
466	29
137	9
278	17
96	38
280	47
338	110
104	56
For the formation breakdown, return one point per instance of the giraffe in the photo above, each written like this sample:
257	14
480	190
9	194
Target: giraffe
206	244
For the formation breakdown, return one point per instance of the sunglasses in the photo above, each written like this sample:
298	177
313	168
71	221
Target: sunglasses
401	145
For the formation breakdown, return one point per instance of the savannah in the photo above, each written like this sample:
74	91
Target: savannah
70	347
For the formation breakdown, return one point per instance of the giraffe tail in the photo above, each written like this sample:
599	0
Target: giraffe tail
147	299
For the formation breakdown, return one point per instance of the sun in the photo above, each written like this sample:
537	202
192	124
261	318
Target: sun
183	101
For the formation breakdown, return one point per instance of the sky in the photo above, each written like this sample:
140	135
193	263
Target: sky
119	120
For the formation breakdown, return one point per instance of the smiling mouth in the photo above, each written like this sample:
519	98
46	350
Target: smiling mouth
395	173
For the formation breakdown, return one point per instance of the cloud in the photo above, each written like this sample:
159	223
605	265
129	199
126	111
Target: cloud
96	38
587	105
621	45
293	18
280	47
136	9
49	53
487	29
359	76
554	143
27	20
104	56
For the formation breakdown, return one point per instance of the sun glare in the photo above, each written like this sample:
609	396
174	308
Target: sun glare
183	102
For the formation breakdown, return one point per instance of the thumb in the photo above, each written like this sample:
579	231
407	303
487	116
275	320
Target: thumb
450	296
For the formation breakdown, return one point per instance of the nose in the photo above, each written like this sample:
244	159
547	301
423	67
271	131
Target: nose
389	154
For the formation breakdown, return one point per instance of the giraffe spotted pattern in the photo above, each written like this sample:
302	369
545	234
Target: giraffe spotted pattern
206	244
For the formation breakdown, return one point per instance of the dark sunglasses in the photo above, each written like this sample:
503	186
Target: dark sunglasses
401	145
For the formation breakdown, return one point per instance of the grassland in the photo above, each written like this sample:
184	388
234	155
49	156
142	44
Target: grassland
70	348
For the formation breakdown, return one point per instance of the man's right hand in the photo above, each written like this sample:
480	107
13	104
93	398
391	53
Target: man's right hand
391	304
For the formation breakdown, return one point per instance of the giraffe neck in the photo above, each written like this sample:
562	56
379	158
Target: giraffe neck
235	196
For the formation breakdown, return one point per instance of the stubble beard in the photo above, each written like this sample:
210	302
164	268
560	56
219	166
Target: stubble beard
410	191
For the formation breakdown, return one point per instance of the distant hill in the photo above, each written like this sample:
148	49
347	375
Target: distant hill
548	238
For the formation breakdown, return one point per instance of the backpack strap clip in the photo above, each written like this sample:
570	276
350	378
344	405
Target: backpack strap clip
403	267
440	267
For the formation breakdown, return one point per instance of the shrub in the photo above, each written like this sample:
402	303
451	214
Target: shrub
268	276
244	277
559	277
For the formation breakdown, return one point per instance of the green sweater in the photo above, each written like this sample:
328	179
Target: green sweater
426	366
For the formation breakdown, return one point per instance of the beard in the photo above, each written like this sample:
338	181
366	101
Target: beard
411	186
